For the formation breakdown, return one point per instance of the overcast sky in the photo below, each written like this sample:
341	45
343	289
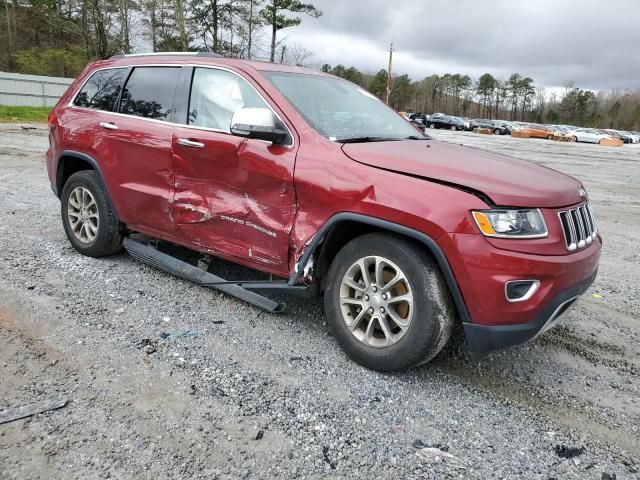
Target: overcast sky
594	43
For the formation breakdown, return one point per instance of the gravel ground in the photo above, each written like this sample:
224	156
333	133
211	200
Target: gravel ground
255	395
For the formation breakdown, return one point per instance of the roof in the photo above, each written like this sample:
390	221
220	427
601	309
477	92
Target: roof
206	58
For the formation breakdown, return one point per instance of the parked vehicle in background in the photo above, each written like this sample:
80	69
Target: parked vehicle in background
588	135
535	130
309	178
440	120
619	135
558	129
497	127
635	137
421	117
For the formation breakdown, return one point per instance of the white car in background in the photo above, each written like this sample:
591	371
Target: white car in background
634	136
587	135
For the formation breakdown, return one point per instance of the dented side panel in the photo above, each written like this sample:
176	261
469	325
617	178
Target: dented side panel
235	196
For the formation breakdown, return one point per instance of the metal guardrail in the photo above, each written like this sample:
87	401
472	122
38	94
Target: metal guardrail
31	90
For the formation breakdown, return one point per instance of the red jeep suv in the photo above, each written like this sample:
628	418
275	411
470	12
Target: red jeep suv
313	180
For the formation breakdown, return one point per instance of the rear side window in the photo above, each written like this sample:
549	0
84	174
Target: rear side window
216	95
149	92
101	90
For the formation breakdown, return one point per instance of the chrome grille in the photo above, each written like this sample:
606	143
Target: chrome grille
579	226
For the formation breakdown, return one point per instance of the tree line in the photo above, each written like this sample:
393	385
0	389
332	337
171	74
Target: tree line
515	98
58	37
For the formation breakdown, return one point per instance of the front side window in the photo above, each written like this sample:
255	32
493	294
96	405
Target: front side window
101	90
216	95
338	109
149	92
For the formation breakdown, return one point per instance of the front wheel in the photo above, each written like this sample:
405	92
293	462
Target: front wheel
497	131
87	216
454	128
387	303
432	125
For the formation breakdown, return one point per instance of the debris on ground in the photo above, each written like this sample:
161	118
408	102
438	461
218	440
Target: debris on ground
171	336
17	413
606	476
325	453
260	435
148	345
419	444
193	390
568	452
596	295
436	455
119	311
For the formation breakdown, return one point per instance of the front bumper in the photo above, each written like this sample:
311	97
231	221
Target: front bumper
481	271
486	338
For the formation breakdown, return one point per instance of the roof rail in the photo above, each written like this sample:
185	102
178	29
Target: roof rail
151	54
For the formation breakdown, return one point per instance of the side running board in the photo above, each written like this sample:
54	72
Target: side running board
186	271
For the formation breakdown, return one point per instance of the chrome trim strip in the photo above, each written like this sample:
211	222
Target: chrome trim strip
532	290
555	317
182	125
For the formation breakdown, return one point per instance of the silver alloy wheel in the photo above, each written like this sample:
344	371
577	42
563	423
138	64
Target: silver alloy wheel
82	212
376	301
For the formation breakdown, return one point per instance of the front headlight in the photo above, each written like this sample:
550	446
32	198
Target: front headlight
526	223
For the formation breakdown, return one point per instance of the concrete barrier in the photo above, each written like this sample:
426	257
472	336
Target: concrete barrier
563	138
484	131
517	134
611	142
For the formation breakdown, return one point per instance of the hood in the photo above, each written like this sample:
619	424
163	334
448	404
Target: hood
507	181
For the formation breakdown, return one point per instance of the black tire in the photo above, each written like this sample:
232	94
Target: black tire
432	125
108	238
433	315
497	132
454	128
549	137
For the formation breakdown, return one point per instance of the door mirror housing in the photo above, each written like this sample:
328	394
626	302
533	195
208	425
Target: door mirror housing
258	123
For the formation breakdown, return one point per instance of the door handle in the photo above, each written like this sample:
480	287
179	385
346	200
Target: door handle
109	126
185	142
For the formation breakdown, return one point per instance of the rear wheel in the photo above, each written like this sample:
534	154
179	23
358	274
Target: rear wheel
387	303
574	139
454	128
497	131
432	125
549	137
87	216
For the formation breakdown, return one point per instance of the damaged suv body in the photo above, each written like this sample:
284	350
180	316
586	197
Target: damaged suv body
310	178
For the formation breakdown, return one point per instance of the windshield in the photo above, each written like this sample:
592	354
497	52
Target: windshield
341	110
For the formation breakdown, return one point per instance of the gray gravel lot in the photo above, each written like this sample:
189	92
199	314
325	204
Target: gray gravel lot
195	407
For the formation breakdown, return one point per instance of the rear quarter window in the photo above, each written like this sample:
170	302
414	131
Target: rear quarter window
101	90
149	92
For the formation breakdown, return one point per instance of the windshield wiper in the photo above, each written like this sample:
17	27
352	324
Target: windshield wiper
415	137
367	139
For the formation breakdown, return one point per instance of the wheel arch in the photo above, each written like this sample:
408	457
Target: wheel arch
70	162
343	227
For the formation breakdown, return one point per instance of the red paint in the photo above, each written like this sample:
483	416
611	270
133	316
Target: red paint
259	205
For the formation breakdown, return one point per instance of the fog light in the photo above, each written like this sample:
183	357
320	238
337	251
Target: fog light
520	290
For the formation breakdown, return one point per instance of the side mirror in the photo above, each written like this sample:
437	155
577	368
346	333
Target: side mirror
258	123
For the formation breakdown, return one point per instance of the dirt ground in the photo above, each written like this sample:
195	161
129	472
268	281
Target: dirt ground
247	394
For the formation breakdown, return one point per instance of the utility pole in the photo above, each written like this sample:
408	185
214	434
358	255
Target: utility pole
389	74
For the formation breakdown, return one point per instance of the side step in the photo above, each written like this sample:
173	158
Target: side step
186	271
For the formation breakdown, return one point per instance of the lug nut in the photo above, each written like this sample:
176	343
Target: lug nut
374	288
370	310
384	296
382	310
366	298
